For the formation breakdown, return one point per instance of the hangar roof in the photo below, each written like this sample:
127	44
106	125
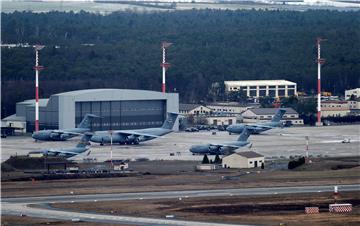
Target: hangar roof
93	91
42	102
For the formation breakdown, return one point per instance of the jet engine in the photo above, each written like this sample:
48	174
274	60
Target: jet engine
132	139
213	150
64	136
53	135
224	150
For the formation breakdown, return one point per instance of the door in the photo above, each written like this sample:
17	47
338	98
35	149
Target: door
255	164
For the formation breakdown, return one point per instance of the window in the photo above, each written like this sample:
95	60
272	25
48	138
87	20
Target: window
250	162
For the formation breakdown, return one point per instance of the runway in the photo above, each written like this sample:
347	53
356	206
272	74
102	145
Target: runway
17	206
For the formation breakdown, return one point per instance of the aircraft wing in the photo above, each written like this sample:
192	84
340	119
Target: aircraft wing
225	145
128	133
256	127
65	132
63	152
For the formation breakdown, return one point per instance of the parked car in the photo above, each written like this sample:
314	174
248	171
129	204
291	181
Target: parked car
191	129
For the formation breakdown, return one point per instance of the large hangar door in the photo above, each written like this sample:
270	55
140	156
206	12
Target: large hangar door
116	115
139	114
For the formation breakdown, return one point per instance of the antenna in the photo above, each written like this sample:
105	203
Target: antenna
164	64
37	69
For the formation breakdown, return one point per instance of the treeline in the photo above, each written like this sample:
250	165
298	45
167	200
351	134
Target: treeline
209	46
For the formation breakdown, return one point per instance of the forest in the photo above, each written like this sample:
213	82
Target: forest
122	50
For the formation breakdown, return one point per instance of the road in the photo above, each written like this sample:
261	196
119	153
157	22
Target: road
17	206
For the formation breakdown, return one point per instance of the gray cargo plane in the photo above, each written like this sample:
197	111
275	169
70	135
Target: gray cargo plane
135	136
81	147
61	135
222	149
259	127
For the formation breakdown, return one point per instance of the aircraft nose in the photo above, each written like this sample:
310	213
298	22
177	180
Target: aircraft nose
192	149
95	138
35	135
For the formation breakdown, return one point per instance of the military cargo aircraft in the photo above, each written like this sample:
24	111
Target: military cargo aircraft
81	147
62	135
257	128
223	148
135	136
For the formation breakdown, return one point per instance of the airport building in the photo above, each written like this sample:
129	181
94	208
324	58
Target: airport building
117	108
255	115
245	159
262	88
352	92
194	109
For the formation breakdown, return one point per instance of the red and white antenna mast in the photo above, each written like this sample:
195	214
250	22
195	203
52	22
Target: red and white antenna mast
320	61
164	64
37	69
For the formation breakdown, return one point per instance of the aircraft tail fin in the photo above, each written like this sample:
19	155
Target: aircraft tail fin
84	140
86	122
244	135
170	120
278	115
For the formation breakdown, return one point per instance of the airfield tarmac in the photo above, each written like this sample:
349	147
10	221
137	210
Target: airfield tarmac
325	141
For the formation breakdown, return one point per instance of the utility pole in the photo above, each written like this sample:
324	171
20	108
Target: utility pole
320	61
37	69
307	149
164	64
111	143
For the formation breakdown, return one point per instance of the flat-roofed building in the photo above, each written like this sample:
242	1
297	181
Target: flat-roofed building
352	92
262	88
335	108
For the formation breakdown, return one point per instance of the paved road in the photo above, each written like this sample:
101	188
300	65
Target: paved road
16	206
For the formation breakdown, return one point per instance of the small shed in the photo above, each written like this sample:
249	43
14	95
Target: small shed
246	159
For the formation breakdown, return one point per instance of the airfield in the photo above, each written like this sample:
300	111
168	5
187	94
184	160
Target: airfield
169	191
276	143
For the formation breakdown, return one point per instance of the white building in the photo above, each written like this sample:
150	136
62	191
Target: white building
338	108
221	120
194	109
262	88
254	115
246	159
355	92
233	108
335	108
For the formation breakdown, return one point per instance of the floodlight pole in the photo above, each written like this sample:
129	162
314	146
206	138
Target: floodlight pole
111	142
164	65
320	61
37	69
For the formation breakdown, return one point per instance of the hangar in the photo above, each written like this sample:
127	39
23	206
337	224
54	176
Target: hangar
117	108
